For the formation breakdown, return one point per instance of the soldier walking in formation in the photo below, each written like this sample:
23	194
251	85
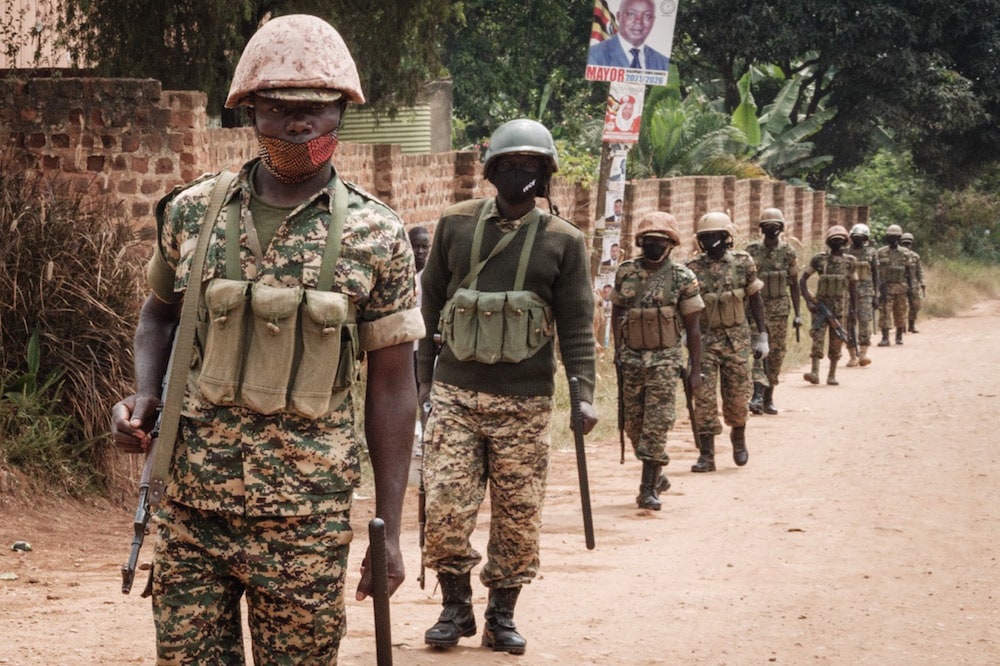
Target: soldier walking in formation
777	268
919	290
502	278
895	283
866	264
836	293
728	281
652	299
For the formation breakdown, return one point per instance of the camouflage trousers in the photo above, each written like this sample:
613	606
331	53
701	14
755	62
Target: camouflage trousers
865	319
777	335
896	304
914	302
473	438
725	365
821	330
291	570
649	387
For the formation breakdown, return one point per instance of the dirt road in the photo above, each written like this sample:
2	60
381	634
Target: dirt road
864	530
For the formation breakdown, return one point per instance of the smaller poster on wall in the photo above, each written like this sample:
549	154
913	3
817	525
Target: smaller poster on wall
623	116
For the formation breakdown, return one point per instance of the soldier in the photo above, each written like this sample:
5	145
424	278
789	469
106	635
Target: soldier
652	298
895	282
728	281
837	285
866	265
919	291
777	268
501	279
304	275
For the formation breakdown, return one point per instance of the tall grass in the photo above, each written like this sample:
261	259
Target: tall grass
70	274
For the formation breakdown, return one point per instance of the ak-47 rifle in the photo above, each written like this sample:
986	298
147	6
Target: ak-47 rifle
141	520
621	409
576	417
689	400
380	591
826	316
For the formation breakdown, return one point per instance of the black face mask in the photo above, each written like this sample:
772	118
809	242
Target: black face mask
654	252
714	244
893	241
517	185
771	231
858	241
835	243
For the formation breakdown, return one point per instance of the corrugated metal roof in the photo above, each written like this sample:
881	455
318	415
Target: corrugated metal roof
411	128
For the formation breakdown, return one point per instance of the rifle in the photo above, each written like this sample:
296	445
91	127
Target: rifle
576	417
827	317
621	408
140	521
422	497
689	400
380	591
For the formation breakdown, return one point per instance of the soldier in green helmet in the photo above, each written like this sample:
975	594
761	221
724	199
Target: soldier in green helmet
501	279
895	282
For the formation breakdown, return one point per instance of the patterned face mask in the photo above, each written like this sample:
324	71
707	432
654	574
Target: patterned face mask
293	163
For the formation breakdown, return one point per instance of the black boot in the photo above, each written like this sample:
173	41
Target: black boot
738	437
500	632
769	407
456	620
899	335
884	342
756	404
913	327
706	447
650	486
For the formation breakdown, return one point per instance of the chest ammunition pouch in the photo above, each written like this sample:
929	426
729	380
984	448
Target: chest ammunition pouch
775	284
497	326
653	327
278	349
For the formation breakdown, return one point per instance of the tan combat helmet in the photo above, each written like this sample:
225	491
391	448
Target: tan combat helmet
297	57
906	239
658	225
772	216
836	231
862	230
714	221
894	230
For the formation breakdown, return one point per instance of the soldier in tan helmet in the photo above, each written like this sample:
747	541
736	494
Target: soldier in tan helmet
305	276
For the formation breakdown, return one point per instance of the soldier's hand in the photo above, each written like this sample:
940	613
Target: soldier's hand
394	565
797	322
131	420
589	415
761	348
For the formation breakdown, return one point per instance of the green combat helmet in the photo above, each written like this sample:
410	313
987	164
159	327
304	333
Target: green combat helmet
522	136
772	216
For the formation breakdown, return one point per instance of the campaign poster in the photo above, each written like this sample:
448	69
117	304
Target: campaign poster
623	116
630	41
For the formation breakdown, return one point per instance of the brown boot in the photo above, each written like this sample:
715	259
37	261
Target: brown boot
813	377
853	361
831	377
863	359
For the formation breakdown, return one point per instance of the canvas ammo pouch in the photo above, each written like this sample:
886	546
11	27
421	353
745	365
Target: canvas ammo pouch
651	328
831	285
724	308
497	326
279	349
775	283
864	270
895	273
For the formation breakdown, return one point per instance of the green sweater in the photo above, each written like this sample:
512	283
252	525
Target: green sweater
558	272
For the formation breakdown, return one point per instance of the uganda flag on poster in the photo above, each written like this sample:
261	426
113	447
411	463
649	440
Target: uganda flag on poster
630	41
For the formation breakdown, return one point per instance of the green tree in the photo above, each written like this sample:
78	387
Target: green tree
194	45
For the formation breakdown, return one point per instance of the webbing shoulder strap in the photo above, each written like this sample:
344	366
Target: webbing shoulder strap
180	361
477	240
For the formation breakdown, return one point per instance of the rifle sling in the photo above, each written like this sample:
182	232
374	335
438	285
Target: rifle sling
180	364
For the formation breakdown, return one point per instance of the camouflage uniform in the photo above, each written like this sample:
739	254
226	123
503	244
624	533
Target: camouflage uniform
261	503
895	272
491	422
777	268
650	375
865	260
836	273
725	349
915	294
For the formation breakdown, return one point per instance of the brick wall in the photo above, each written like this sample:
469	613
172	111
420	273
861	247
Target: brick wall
131	141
